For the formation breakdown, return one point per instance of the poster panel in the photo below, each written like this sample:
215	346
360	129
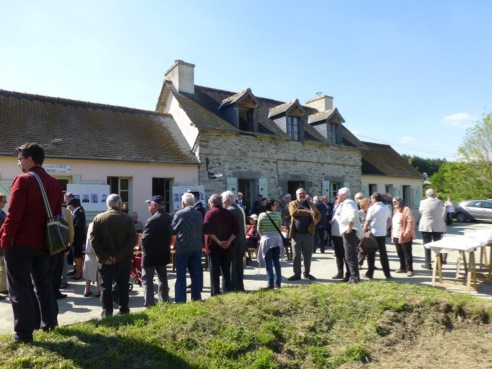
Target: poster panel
92	196
178	191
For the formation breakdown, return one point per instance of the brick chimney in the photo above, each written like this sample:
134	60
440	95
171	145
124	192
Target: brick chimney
321	103
182	75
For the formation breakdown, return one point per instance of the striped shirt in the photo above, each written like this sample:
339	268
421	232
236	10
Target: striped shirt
265	225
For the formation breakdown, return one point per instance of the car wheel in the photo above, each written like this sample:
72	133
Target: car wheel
460	217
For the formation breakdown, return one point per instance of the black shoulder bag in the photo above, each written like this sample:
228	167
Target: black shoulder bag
56	229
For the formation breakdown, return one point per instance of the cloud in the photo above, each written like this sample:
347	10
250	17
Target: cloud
406	140
463	120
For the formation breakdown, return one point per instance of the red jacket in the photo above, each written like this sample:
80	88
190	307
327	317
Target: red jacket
222	223
25	224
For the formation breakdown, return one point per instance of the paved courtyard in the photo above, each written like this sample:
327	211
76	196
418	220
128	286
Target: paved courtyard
77	308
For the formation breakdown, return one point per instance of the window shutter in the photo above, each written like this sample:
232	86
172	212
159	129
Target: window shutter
263	187
231	184
325	189
416	197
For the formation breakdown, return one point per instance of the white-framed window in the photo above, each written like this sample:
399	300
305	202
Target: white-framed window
120	186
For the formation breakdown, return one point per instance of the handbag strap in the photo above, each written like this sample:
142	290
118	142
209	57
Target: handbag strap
43	193
271	220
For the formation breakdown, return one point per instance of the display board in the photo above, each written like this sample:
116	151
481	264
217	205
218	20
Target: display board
92	196
178	191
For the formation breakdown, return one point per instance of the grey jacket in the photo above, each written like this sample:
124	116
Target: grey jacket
432	215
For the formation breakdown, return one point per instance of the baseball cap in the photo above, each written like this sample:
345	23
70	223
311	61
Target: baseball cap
158	199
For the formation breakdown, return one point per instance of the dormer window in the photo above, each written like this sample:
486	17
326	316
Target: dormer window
329	125
289	118
293	127
332	133
246	119
240	110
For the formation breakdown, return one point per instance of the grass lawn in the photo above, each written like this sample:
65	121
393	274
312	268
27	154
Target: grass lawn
368	325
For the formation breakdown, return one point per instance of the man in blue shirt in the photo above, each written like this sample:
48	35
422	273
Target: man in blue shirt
187	225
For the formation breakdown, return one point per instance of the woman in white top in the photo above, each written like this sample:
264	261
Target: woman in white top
449	211
90	270
403	233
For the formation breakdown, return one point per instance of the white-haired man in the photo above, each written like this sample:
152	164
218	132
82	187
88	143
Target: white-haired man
112	238
237	266
347	217
431	222
187	225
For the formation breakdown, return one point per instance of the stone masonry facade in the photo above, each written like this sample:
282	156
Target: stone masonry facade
278	161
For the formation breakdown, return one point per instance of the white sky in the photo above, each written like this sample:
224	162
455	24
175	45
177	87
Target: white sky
412	74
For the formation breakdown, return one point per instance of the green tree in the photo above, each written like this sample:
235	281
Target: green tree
477	151
456	180
471	176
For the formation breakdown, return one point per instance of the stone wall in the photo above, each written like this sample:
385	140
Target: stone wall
243	156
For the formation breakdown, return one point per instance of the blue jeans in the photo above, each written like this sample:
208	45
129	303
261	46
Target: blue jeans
193	262
272	259
220	264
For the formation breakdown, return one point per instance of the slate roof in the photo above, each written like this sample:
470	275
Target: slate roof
82	130
382	160
324	115
237	97
282	108
202	108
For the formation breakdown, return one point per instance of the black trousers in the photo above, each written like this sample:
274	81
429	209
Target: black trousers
319	238
120	274
383	257
350	242
220	264
26	267
404	251
237	270
430	237
339	252
56	271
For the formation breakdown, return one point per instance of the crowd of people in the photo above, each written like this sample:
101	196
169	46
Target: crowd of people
102	253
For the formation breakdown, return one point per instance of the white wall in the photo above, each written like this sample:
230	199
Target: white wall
86	171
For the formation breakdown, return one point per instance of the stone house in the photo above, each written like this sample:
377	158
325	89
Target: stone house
257	145
136	153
